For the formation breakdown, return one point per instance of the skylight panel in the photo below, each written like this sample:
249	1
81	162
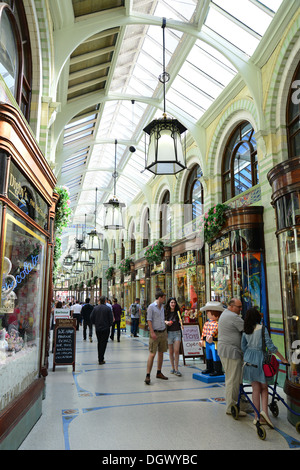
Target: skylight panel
248	13
231	32
192	93
175	9
200	80
182	102
273	5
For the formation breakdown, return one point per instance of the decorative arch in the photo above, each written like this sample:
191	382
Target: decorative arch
240	110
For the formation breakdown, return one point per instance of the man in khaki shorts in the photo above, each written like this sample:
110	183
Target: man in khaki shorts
158	341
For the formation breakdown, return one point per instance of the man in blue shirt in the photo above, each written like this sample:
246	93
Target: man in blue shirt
158	341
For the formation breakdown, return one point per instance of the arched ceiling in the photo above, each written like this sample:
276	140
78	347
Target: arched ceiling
107	59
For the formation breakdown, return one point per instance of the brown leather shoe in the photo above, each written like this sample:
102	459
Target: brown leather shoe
147	380
160	375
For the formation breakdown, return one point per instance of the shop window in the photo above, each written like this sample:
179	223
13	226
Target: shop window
193	195
15	53
21	304
239	165
293	116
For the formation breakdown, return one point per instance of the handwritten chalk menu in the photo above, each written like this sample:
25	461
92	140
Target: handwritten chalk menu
64	342
190	341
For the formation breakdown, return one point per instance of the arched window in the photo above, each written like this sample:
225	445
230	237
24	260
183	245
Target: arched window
165	216
146	228
15	52
193	195
293	116
239	170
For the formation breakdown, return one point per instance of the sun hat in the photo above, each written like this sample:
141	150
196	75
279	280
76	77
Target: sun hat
213	305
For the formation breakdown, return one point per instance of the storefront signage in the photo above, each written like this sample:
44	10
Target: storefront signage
190	341
158	268
61	313
21	193
220	247
185	259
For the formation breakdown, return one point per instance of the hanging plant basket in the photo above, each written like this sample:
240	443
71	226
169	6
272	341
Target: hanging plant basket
213	221
109	273
125	265
155	252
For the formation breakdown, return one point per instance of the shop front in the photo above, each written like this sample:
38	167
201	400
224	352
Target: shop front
189	279
27	209
285	181
161	275
236	260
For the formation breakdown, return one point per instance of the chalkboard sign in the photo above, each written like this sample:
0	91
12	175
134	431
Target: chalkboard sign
64	342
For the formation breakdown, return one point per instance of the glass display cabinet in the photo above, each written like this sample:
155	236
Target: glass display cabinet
236	259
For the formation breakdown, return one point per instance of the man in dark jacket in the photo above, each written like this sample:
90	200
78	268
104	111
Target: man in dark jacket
102	317
86	311
117	312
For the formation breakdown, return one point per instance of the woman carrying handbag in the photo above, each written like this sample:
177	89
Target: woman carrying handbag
253	348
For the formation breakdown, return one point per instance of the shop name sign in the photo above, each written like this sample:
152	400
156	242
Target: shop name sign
28	200
184	260
27	268
219	246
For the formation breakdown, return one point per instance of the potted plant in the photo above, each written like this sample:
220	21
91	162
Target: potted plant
154	253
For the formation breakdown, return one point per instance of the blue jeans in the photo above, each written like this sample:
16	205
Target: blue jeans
134	326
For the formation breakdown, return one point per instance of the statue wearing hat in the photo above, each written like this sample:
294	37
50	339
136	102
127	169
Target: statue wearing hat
209	338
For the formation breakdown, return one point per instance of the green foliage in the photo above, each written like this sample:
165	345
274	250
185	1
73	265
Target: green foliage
56	255
155	252
124	266
213	221
63	211
109	273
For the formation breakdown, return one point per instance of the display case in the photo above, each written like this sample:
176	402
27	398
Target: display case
285	181
236	260
27	209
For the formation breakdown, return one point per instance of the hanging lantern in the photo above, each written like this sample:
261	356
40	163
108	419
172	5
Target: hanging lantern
166	153
113	213
94	242
68	260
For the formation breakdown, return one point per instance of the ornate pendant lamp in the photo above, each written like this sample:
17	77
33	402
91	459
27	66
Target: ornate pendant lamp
68	260
166	152
94	241
84	253
113	212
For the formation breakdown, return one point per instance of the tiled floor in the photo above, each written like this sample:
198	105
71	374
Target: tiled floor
109	407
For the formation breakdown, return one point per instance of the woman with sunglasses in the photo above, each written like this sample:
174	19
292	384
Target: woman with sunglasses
172	320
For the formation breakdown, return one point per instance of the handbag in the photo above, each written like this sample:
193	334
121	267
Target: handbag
270	363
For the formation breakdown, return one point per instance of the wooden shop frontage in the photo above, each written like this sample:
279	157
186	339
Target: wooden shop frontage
27	210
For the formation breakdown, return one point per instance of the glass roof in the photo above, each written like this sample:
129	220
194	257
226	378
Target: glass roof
199	73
